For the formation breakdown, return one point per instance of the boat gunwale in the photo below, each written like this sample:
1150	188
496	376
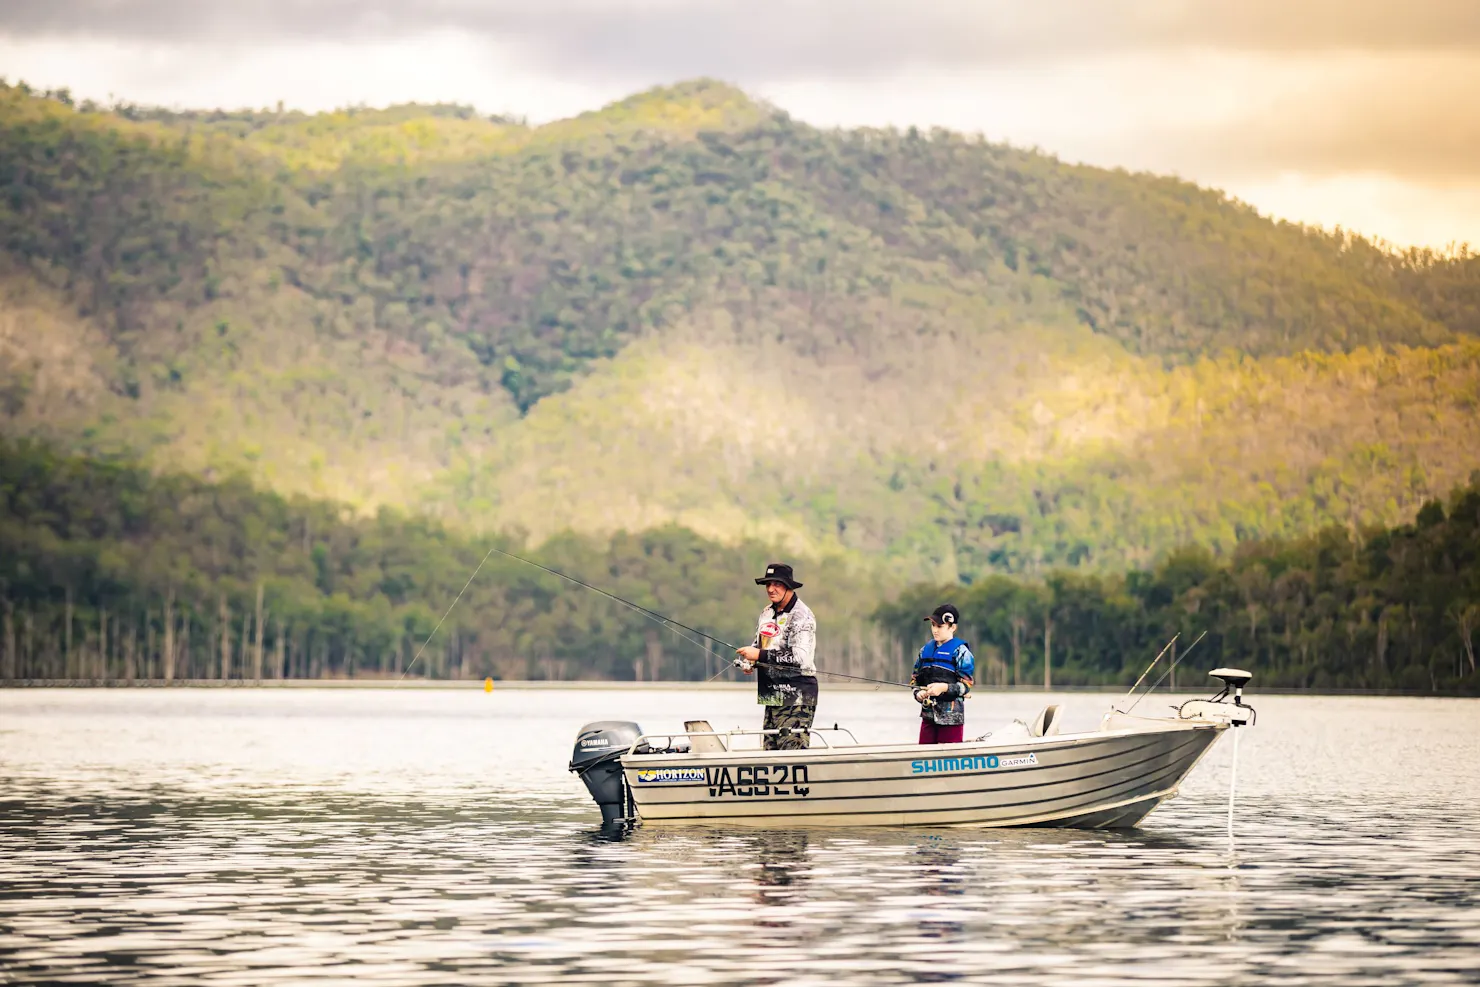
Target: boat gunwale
866	753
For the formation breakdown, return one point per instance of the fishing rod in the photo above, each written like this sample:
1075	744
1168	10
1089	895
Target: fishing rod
738	662
1170	668
668	622
653	615
1152	665
650	614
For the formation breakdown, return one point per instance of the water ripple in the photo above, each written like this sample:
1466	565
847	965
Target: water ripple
313	841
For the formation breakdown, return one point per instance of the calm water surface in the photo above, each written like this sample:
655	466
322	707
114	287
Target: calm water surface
434	837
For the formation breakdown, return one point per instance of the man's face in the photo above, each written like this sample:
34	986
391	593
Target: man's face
776	592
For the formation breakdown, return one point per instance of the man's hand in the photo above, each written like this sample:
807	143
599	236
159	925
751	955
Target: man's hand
747	658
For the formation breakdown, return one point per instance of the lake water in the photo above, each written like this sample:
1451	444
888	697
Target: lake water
413	836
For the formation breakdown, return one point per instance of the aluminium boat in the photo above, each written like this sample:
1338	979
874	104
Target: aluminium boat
1020	775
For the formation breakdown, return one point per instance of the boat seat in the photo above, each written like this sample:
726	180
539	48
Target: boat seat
703	744
1047	724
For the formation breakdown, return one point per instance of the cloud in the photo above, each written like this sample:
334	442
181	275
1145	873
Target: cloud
772	40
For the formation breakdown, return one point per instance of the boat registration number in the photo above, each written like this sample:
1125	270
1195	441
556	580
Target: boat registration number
758	781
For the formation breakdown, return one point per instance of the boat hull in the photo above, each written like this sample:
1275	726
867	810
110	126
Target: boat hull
1106	779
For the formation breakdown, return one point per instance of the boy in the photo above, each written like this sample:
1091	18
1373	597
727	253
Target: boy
942	678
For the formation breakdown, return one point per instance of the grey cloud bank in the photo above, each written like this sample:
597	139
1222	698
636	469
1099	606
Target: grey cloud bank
765	40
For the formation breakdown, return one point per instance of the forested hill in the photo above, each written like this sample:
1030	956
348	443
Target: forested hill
928	352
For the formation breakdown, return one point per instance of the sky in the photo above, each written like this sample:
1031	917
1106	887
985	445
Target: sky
1358	113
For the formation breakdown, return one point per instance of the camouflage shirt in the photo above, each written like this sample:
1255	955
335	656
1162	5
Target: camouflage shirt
787	672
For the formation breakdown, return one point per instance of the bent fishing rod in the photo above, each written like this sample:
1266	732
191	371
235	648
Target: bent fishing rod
654	615
673	625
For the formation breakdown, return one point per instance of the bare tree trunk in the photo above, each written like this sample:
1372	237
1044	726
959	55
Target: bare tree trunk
148	643
102	667
29	639
1017	648
1047	653
7	672
654	654
1173	669
278	643
246	647
130	649
224	617
67	639
257	639
168	658
185	651
1467	632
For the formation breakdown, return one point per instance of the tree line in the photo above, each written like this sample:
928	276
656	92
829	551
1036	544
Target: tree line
109	573
1367	608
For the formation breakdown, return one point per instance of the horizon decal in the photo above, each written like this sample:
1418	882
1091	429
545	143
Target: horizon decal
981	762
669	776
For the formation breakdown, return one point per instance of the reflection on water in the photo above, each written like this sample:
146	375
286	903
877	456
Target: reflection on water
419	838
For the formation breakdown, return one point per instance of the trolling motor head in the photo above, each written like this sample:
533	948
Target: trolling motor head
1233	678
1233	711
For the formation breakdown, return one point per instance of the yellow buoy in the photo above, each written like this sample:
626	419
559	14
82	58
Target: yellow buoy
488	684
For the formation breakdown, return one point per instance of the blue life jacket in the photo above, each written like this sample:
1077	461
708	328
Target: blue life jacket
937	663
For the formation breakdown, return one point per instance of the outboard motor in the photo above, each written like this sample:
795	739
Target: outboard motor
597	759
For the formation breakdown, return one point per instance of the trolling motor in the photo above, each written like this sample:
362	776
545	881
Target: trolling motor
1233	710
597	760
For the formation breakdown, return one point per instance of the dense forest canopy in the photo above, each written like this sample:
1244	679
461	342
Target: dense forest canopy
986	365
110	572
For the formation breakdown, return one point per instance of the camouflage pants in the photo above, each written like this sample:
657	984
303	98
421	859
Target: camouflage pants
797	719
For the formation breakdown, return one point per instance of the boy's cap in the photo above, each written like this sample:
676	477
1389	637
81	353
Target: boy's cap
945	614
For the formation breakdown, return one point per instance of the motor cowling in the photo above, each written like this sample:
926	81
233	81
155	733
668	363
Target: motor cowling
597	759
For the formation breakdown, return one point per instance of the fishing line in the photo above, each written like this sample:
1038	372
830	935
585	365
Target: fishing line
1170	668
818	671
444	616
671	623
668	622
651	614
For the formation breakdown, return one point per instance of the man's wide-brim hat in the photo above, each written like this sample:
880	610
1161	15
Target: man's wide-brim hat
778	572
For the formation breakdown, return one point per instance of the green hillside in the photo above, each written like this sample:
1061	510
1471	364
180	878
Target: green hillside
928	355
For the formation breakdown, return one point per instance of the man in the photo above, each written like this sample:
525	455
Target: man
784	651
942	676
